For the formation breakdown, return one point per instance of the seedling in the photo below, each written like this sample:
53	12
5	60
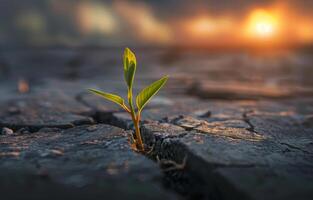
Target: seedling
130	64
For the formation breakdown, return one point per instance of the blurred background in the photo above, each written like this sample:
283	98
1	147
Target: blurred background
156	22
260	48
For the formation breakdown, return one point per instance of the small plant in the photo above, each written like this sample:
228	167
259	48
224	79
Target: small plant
130	64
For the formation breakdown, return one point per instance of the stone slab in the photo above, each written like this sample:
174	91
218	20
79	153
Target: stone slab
83	162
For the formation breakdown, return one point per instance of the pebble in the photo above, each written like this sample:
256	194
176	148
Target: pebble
7	131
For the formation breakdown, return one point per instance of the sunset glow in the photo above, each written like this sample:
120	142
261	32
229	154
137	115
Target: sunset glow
305	32
273	24
202	26
264	28
262	24
257	26
206	26
276	24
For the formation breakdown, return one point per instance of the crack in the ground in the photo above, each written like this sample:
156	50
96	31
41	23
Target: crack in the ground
217	128
35	122
247	120
197	180
295	147
109	118
101	116
26	129
181	181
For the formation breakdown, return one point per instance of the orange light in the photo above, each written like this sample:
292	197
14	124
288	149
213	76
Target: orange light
207	26
23	86
262	24
305	31
202	26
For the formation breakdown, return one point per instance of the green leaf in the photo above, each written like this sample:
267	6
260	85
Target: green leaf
130	63
111	97
147	93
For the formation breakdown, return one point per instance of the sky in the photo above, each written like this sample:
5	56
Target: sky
155	22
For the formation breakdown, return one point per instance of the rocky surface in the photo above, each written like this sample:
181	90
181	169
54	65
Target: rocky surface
35	112
226	126
261	155
85	162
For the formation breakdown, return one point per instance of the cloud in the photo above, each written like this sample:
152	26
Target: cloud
141	22
95	17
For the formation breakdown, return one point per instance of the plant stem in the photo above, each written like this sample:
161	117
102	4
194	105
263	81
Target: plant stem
136	121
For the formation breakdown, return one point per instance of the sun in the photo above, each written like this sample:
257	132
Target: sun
264	29
262	24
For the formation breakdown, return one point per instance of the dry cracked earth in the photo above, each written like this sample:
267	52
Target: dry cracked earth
226	126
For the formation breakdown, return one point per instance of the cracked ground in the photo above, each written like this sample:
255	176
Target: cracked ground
226	126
